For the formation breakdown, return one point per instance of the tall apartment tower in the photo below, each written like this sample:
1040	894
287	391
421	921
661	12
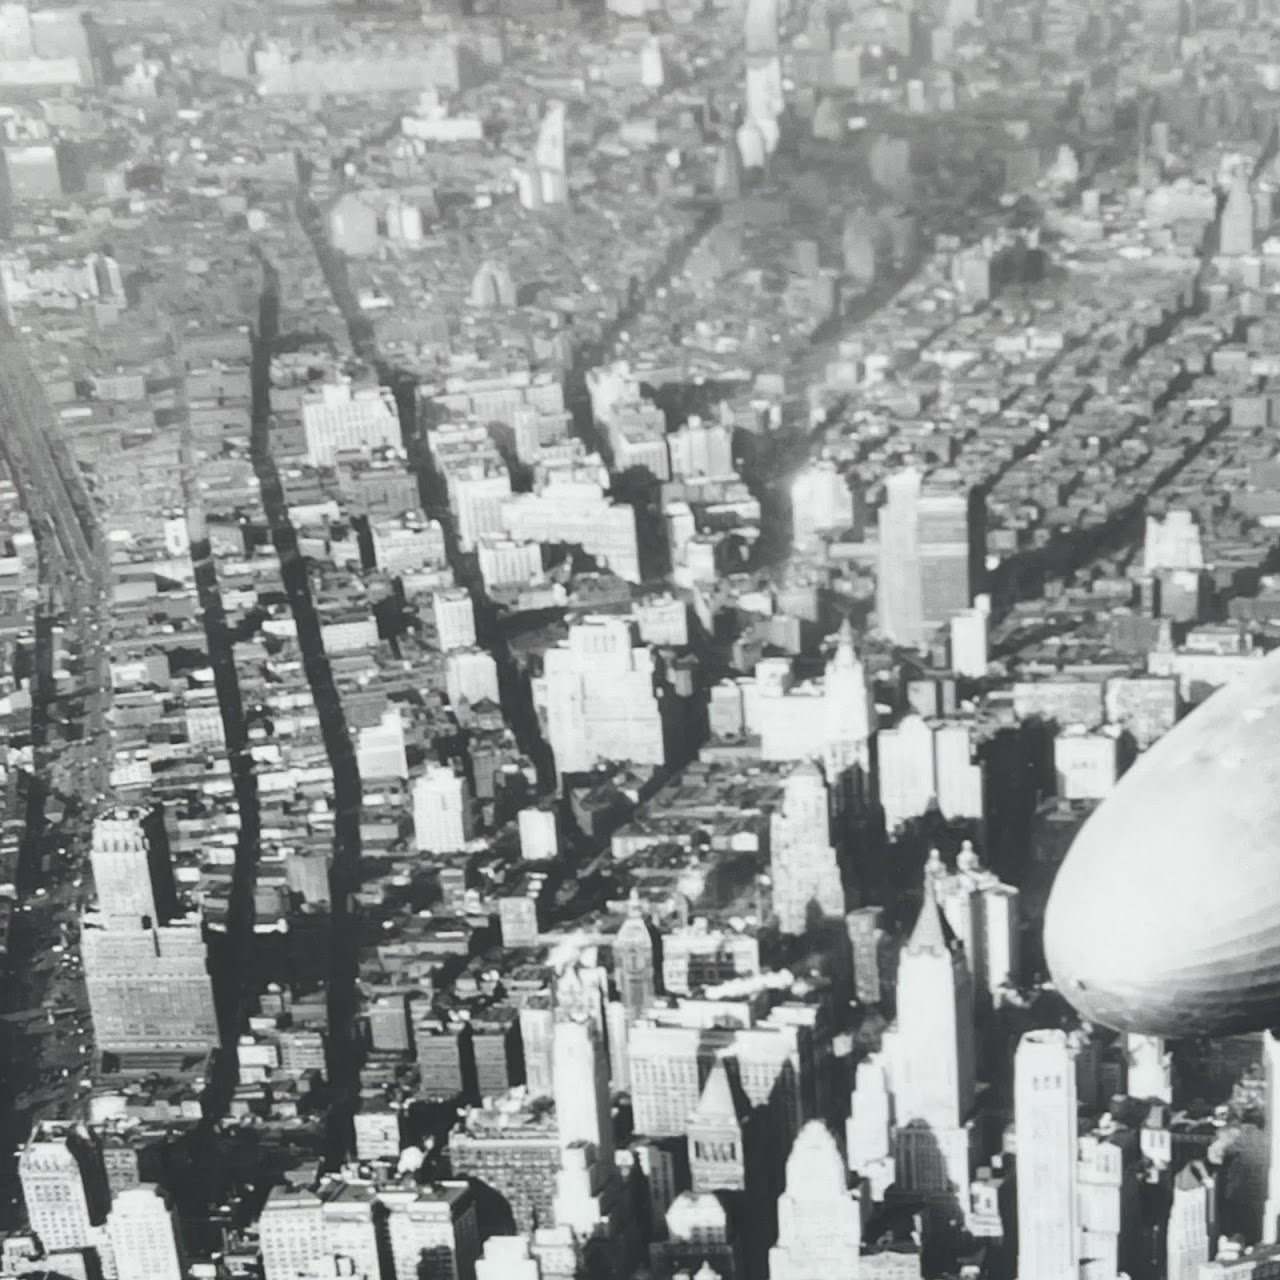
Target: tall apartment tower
442	820
63	1185
1044	1106
144	1236
819	1222
806	875
934	1068
633	960
926	558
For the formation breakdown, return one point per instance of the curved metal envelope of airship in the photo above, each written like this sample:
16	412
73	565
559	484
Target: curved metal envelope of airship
1164	918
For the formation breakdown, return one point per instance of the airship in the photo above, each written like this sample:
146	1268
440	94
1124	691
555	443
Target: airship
1164	918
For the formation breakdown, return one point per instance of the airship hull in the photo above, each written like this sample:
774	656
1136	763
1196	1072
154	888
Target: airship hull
1164	918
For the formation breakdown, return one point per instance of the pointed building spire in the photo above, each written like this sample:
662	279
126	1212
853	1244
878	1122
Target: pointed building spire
931	932
716	1103
845	654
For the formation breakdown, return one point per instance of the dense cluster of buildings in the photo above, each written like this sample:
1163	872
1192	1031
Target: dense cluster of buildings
616	551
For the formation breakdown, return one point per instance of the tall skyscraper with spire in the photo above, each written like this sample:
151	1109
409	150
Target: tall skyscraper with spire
847	709
806	875
819	1223
934	1070
633	960
1045	1121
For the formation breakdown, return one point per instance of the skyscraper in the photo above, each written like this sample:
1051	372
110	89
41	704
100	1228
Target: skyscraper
905	770
869	1126
934	1068
63	1186
590	1200
969	628
865	926
1192	1222
701	1239
819	1223
717	1140
806	875
633	957
144	1236
899	606
848	709
580	1078
1044	1104
665	1084
1271	1208
821	502
983	913
926	557
760	28
1102	1191
550	156
599	697
1150	1068
1237	234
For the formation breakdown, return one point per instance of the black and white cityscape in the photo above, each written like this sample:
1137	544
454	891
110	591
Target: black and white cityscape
640	640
